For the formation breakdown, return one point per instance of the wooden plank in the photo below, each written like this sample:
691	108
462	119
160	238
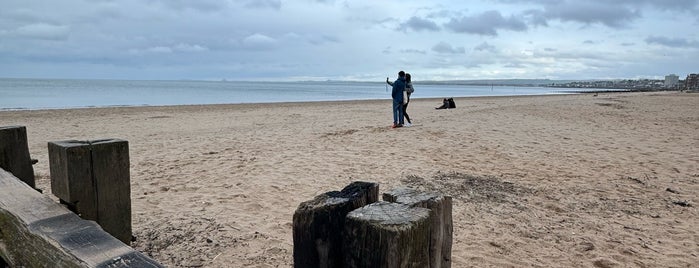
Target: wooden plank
14	153
441	225
387	234
318	224
37	232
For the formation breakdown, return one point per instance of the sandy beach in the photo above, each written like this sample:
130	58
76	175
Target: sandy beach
610	180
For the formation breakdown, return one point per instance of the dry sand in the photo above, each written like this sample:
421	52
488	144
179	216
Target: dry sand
548	181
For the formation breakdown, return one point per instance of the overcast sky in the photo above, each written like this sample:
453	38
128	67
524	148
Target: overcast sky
351	40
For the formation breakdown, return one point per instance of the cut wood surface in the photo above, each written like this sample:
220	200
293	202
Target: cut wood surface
37	232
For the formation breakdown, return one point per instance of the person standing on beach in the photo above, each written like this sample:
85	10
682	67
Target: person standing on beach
408	90
397	95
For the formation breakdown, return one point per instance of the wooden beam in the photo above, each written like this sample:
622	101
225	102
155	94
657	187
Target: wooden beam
37	232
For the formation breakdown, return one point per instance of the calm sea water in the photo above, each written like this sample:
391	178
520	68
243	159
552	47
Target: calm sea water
18	94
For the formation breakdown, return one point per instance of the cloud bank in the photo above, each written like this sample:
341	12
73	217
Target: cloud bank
356	40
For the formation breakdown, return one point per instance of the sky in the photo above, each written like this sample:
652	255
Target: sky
362	40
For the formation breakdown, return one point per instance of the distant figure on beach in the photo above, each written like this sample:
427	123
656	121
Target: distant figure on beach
408	91
447	104
397	95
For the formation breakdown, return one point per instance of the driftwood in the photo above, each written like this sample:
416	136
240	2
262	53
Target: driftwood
387	234
37	232
93	179
318	224
441	226
14	153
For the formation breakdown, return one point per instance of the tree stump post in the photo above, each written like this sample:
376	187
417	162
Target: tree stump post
441	226
93	179
14	153
318	224
387	235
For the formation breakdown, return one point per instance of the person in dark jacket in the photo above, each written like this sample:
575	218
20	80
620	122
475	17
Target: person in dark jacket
397	95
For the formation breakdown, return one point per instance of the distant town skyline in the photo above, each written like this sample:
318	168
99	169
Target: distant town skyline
362	40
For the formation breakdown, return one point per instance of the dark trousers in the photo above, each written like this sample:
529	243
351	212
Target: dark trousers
405	111
397	112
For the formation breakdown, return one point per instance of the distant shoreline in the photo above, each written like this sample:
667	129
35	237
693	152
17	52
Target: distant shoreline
436	99
618	90
437	102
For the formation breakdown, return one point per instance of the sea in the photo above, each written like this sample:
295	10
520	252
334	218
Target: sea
36	94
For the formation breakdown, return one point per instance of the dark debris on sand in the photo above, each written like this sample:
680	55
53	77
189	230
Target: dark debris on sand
474	189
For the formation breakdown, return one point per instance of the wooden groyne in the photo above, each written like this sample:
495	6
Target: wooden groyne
92	225
35	231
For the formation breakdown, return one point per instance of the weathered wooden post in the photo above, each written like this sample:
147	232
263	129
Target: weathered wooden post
93	179
318	224
441	226
14	153
387	235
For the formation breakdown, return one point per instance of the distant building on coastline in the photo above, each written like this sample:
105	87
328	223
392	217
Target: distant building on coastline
692	82
671	81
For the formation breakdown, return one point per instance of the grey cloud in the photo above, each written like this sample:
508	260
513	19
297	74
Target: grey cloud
571	55
201	5
486	23
591	12
19	15
189	48
259	42
181	47
536	17
314	39
419	24
672	42
158	49
445	48
210	38
614	14
322	39
43	31
414	51
515	65
683	5
273	4
387	50
485	47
